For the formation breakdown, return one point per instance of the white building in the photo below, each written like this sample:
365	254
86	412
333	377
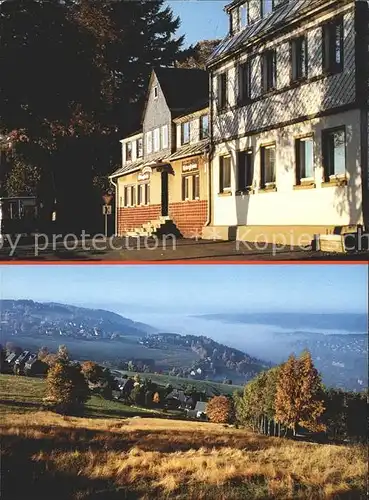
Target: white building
289	127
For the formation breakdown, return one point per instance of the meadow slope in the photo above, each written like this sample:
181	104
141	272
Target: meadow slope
45	455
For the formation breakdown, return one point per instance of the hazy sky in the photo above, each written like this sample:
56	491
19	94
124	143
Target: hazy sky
193	288
200	19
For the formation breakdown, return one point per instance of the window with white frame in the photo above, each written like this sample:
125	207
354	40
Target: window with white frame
186	187
334	152
245	170
196	187
143	193
128	151
268	167
156	92
132	195
125	197
139	148
129	196
185	132
224	174
149	141
164	136
204	126
266	7
304	159
157	139
243	15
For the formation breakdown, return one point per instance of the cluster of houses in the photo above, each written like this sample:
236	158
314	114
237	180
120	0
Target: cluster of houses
25	363
175	400
271	139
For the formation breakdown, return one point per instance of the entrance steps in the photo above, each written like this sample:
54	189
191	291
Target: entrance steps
164	225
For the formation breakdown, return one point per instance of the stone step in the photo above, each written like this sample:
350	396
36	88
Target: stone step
152	225
157	227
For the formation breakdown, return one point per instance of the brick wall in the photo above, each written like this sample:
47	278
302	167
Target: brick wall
131	217
189	216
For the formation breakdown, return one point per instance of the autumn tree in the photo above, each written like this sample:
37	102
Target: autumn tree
66	388
156	398
50	359
311	393
220	410
92	371
298	395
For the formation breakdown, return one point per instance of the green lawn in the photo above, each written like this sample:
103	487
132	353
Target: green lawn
20	394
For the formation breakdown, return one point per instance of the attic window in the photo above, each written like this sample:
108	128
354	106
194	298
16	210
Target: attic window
155	92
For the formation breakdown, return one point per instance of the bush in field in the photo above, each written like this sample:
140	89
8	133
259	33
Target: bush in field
220	410
67	389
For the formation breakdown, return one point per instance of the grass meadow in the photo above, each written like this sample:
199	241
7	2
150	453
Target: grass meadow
45	455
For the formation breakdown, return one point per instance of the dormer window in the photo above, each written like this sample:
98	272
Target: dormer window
243	15
139	145
266	7
128	151
240	17
185	132
156	93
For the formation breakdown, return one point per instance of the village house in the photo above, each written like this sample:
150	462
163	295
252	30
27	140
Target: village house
289	120
162	185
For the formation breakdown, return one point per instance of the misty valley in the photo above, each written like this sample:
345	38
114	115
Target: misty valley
122	343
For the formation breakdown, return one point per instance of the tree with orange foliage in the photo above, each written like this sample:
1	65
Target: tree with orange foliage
298	393
156	398
220	410
92	371
67	390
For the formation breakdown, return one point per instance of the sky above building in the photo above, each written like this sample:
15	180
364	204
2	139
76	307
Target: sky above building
200	19
193	288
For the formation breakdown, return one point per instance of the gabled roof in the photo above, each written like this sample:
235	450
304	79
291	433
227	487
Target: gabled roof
200	406
182	88
280	16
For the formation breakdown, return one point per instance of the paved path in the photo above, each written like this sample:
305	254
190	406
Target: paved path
184	250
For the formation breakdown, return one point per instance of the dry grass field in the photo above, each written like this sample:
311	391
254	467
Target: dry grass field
45	455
